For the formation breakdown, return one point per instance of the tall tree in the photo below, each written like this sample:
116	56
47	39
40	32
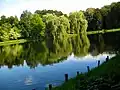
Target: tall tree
78	23
13	21
25	24
3	19
56	26
32	25
94	18
37	26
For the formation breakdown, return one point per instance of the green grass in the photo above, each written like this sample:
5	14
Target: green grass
103	31
109	68
107	74
13	42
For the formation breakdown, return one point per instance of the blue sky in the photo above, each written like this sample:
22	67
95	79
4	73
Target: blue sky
16	7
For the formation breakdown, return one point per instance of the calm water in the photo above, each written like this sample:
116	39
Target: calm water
37	64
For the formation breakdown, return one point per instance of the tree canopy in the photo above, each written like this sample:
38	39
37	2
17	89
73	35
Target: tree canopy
55	24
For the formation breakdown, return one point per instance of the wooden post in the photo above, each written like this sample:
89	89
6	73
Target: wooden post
88	68
77	73
50	86
98	63
66	77
107	58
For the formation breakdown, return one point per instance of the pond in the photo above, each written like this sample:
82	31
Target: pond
37	64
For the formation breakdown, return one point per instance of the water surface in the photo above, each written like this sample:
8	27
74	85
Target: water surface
37	64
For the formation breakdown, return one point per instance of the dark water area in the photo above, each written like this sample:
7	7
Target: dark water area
37	64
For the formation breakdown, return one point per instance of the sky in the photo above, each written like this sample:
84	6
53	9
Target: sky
16	7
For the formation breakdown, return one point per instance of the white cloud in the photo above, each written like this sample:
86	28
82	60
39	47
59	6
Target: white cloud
16	7
89	57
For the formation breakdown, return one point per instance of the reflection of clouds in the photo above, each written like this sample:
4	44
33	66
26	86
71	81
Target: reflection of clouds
28	80
89	57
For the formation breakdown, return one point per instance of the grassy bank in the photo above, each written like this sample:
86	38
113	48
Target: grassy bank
103	31
13	42
104	77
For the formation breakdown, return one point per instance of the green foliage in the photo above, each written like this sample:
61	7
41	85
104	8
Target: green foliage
44	12
105	18
94	19
64	25
3	19
37	26
25	24
14	33
32	25
56	26
7	32
4	32
78	23
113	19
13	21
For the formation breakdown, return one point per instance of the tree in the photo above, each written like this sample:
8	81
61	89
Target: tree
14	33
98	19
7	32
13	21
94	18
3	20
37	26
113	19
32	25
104	11
89	13
4	31
25	24
56	26
64	25
78	23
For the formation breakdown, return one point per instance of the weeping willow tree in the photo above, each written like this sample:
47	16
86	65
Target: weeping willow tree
56	26
78	23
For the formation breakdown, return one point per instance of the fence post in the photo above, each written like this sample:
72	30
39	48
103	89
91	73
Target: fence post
50	86
88	68
77	73
66	77
98	63
107	58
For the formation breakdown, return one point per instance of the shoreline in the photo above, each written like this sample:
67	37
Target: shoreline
107	73
70	35
13	42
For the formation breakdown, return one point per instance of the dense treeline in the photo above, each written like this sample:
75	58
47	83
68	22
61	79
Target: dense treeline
42	24
55	24
105	18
